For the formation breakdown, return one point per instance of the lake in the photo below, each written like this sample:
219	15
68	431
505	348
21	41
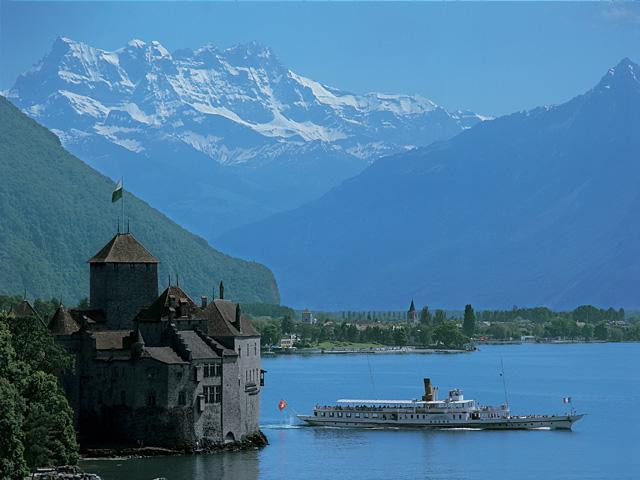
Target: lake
602	379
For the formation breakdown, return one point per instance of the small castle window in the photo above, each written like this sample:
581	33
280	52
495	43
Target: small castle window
182	398
212	370
212	394
151	398
132	266
123	397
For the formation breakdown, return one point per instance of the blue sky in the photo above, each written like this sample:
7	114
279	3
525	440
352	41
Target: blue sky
493	58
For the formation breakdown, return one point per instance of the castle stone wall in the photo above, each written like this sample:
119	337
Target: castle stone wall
122	289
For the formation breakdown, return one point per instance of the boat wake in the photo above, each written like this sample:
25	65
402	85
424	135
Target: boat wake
281	426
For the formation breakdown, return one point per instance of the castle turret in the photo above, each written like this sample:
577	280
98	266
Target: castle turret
124	279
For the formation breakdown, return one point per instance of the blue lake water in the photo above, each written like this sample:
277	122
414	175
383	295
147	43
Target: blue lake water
602	379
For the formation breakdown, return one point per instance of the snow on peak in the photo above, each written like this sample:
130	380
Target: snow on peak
136	43
624	74
203	93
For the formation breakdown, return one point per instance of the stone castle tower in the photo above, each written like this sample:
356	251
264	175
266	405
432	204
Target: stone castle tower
124	279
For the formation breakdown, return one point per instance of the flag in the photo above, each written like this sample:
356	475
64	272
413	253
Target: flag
282	405
117	193
566	399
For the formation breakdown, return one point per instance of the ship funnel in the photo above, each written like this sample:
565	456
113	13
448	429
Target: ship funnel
428	391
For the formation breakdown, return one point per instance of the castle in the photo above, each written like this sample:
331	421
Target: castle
157	370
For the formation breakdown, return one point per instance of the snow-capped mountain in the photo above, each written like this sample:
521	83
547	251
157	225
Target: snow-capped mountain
238	108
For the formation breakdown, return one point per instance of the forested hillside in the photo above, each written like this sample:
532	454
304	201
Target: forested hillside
56	212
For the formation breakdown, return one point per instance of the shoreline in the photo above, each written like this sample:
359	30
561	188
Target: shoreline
382	350
255	441
375	350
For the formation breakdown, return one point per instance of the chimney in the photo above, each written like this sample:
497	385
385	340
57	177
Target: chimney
221	290
203	301
428	390
238	314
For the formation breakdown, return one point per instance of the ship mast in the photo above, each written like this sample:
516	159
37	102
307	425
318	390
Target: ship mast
504	383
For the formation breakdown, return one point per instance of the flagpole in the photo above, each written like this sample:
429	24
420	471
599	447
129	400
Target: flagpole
123	204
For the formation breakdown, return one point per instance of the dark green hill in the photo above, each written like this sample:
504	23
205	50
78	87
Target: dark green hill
56	212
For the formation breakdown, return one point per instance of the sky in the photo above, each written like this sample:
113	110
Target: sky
491	58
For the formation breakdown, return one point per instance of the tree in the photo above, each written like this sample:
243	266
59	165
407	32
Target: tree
425	336
425	316
270	335
616	335
35	346
440	317
12	462
399	337
469	322
48	423
287	325
587	331
36	421
601	332
448	334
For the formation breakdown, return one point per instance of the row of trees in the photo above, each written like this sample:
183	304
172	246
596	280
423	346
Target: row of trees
583	313
567	329
36	421
445	334
583	323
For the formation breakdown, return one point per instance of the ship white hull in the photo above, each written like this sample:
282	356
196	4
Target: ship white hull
563	422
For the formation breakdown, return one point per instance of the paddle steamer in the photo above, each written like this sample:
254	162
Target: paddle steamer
453	412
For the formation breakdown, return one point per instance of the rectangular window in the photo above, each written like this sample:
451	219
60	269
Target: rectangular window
151	398
212	394
123	397
182	398
212	370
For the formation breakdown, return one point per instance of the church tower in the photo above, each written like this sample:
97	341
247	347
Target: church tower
124	279
412	314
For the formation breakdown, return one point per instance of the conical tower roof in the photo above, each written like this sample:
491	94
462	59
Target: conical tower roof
62	323
412	308
25	309
123	248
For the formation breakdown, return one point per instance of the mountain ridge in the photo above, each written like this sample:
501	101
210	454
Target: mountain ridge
523	210
277	138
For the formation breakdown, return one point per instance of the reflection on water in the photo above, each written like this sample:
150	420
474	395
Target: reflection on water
218	466
602	379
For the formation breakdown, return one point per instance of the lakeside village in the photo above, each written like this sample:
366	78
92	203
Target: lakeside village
285	330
